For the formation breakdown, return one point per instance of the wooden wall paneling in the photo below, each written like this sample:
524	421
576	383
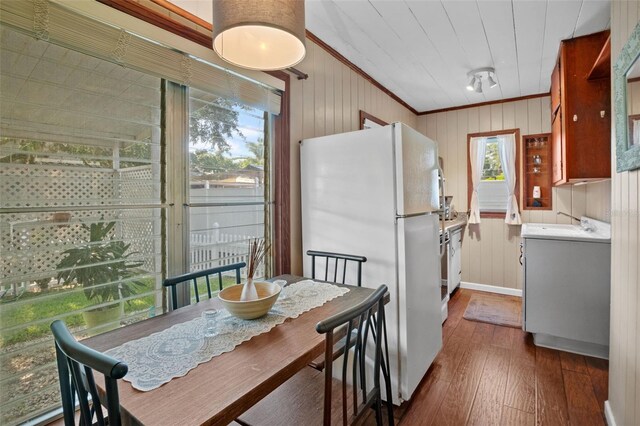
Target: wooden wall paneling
632	391
496	117
319	60
346	99
563	203
453	174
620	317
578	200
463	130
421	126
625	305
432	129
355	103
485	118
442	137
497	227
308	94
330	105
361	88
535	115
337	96
509	116
484	228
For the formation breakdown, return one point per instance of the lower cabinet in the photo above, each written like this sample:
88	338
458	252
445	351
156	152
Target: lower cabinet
455	260
566	295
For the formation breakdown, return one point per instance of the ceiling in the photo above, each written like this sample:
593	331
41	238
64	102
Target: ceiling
422	50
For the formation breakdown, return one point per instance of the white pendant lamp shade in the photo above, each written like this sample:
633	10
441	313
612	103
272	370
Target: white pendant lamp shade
259	34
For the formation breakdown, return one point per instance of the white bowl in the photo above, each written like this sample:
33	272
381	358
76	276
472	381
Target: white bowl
267	296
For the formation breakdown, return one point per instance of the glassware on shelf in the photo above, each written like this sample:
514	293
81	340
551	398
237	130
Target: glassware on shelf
537	159
536	170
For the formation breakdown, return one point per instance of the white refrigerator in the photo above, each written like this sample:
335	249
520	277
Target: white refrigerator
375	193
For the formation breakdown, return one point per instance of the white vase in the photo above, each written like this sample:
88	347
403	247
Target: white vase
249	291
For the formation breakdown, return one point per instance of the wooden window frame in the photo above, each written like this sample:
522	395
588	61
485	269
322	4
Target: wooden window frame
494	214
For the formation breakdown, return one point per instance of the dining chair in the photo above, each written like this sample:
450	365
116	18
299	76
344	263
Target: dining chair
334	259
193	277
76	364
298	400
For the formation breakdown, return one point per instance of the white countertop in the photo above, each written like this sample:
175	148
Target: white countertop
590	230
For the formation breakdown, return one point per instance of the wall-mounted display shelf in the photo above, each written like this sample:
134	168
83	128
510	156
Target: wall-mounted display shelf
537	171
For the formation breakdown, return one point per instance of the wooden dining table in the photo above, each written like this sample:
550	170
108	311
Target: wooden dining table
218	391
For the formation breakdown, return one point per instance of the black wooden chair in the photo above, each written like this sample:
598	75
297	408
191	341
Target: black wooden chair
335	258
298	400
76	364
193	277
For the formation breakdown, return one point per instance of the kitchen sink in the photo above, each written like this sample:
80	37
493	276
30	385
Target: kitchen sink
590	230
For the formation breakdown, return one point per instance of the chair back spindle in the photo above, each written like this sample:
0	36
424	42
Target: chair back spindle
173	282
76	364
364	323
339	263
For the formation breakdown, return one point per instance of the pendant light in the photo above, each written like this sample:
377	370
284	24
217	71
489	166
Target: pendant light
259	34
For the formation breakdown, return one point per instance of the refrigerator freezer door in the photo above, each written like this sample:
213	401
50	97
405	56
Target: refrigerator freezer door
420	325
416	171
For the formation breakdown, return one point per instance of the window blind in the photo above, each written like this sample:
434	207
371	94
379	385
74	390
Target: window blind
58	24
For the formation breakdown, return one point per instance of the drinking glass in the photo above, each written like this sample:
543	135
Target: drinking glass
212	320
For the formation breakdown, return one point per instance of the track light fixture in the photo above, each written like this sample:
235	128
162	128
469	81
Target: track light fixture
492	82
475	82
472	84
478	88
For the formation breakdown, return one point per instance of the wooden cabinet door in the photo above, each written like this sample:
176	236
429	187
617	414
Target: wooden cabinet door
555	91
557	149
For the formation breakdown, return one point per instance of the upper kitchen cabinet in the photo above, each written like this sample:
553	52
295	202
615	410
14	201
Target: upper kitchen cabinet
581	111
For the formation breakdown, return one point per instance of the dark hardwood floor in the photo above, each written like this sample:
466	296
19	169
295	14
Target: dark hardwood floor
493	375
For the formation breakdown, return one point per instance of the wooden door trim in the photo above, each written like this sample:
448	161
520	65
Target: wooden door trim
365	115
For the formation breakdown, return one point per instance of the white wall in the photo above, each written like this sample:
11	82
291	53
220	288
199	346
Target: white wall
491	250
328	102
624	356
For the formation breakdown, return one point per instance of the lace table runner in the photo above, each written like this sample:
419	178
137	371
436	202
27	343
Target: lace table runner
156	359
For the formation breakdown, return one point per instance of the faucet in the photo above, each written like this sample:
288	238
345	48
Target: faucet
584	223
568	215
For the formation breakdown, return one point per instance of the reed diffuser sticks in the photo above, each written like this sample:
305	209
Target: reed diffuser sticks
257	251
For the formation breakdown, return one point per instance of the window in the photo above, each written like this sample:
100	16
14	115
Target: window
492	191
493	169
79	155
80	150
229	197
94	156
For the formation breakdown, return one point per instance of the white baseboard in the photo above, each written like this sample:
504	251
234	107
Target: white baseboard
611	421
491	289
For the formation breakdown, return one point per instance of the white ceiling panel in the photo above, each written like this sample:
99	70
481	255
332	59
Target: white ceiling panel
421	50
497	18
594	16
558	12
529	20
